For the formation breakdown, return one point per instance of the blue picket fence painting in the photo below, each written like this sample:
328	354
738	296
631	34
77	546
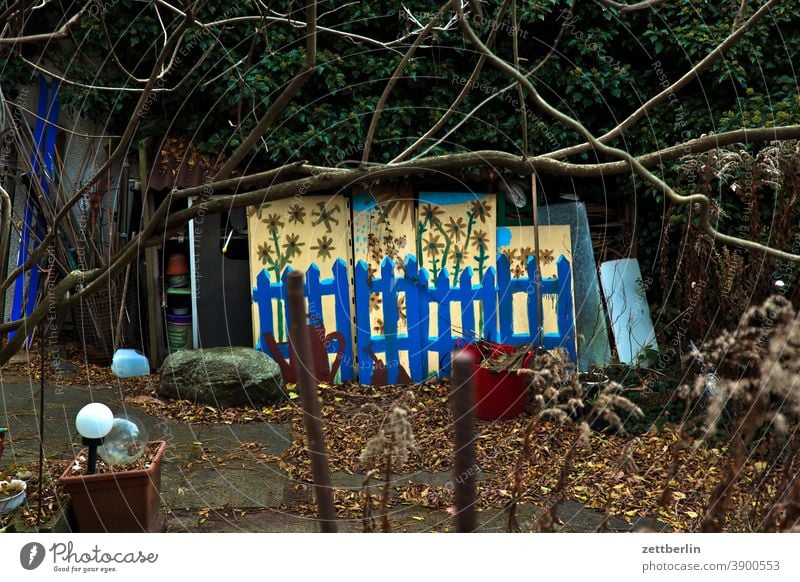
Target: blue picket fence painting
486	310
495	294
267	292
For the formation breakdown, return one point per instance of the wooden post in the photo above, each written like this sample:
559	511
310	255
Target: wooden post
465	466
155	330
309	398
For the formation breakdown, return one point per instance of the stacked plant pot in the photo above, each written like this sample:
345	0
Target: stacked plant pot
179	310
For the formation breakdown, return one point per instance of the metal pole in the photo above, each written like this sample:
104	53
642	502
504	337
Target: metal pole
309	398
40	484
464	455
91	462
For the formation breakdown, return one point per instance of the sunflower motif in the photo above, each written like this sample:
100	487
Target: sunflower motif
401	307
510	254
382	214
325	215
291	247
526	252
372	270
480	210
456	228
430	214
324	247
546	256
375	301
458	255
297	214
273	222
480	240
264	253
432	246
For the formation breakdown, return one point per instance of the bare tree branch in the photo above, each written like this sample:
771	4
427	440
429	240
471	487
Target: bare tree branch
625	8
692	74
5	234
61	127
701	200
68	81
57	35
461	96
523	113
740	14
283	100
373	124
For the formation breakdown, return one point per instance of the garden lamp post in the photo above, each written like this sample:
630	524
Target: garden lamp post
94	421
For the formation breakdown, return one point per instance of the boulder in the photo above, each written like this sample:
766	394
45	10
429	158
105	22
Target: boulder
222	377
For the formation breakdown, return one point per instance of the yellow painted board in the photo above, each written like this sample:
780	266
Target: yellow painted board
295	232
456	230
554	241
384	225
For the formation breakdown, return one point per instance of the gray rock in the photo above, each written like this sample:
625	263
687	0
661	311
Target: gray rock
222	377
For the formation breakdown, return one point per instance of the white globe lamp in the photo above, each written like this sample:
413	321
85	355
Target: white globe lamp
94	421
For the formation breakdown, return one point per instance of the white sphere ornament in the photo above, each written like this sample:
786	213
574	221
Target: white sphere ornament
126	442
94	421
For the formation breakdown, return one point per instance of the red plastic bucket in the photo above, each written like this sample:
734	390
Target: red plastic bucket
497	395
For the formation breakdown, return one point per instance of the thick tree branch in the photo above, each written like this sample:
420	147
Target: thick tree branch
55	297
688	77
625	8
333	179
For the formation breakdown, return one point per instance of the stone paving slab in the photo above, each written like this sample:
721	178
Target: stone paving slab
258	486
273	438
219	467
572	518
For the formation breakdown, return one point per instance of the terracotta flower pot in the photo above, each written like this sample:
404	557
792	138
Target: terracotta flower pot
177	264
124	501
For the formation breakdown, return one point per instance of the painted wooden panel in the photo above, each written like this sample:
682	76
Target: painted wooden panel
473	279
628	309
456	230
516	243
384	226
294	233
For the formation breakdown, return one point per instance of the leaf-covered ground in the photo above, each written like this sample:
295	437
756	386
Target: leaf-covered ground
624	477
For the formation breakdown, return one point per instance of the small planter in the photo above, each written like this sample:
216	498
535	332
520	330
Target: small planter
9	503
497	394
593	383
123	501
